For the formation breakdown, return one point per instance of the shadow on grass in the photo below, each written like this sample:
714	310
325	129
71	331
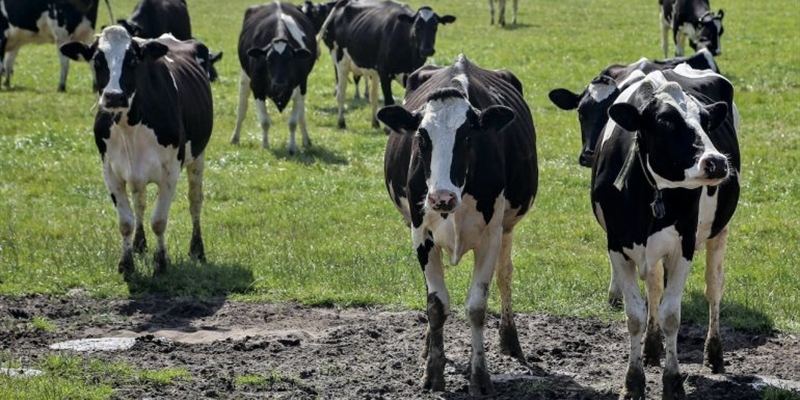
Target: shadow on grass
311	155
514	27
734	315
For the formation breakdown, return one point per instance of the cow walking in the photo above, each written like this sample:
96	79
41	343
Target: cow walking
43	21
691	19
155	116
501	15
460	166
381	40
277	50
666	182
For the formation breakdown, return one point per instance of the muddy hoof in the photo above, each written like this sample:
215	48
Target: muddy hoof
434	383
159	263
652	347
125	265
634	385
375	123
713	355
480	384
673	387
139	241
509	341
342	124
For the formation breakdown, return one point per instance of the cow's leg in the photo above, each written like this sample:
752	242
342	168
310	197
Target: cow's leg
11	56
298	115
438	308
342	69
335	72
386	85
119	195
263	120
244	94
679	37
62	80
614	292
486	256
664	35
194	172
158	220
356	80
677	270
491	11
501	12
514	21
654	282
636	312
509	340
139	195
715	279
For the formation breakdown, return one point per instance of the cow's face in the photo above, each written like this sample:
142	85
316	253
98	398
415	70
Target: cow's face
425	23
114	57
280	57
709	32
444	131
317	13
672	133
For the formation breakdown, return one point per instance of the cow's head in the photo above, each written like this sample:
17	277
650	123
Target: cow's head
114	57
317	13
213	58
709	33
672	129
425	23
133	28
445	130
279	55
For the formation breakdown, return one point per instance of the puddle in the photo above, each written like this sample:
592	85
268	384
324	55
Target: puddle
98	344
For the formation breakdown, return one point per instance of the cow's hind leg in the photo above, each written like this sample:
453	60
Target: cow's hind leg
677	271
438	307
244	94
139	195
654	282
514	21
636	312
158	221
194	172
715	278
501	16
373	77
664	34
491	11
342	70
509	340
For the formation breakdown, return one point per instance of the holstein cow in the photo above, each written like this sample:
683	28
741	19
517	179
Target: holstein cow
277	50
501	17
693	19
155	117
381	40
153	18
665	182
43	21
460	166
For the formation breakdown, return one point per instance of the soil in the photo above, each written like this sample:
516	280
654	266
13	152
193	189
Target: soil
372	353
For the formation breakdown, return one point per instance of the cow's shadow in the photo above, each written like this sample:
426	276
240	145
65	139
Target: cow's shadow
518	26
310	156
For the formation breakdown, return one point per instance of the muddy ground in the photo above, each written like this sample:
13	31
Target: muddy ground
328	353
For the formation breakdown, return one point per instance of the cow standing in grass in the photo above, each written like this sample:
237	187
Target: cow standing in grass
501	15
460	166
691	19
155	117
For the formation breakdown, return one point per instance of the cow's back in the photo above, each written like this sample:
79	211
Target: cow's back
156	17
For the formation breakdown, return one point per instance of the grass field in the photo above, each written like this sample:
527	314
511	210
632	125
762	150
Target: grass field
319	227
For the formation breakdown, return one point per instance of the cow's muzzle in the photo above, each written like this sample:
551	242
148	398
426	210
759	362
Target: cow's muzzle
716	167
427	52
586	159
113	100
442	201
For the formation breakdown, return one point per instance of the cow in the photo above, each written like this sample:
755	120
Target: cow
693	19
152	18
501	17
665	182
460	166
381	40
155	116
277	50
43	21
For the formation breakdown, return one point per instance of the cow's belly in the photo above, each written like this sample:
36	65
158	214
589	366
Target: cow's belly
83	33
133	155
18	37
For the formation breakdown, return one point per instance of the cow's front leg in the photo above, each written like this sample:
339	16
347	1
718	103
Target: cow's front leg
636	312
679	36
119	196
715	278
342	69
386	87
514	20
664	35
8	62
139	194
158	221
194	171
62	80
241	110
501	12
486	256
654	282
509	340
264	121
298	115
438	307
677	270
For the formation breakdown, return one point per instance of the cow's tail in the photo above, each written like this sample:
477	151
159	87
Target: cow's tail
339	4
110	13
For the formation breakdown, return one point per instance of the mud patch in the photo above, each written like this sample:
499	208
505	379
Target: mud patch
245	350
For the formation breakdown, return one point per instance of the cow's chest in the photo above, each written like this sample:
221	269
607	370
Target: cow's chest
465	229
705	219
134	155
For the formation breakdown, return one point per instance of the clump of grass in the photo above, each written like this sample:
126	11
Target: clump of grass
42	324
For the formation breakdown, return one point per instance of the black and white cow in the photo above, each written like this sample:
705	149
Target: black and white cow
501	15
43	21
460	166
277	50
666	182
381	40
155	117
153	18
693	19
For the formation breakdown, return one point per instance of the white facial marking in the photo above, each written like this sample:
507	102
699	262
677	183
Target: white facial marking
426	14
441	120
279	47
114	43
600	91
294	30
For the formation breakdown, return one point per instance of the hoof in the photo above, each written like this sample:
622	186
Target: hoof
713	355
159	263
125	266
480	384
652	347
342	124
375	123
509	341
235	140
62	88
634	385
139	241
673	387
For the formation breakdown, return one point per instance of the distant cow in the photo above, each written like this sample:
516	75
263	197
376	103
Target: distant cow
693	19
43	21
277	50
665	182
501	17
155	117
460	166
152	18
380	40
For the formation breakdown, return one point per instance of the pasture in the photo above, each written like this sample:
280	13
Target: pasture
318	228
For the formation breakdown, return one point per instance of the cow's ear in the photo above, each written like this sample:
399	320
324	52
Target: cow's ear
256	52
626	115
564	99
77	51
215	57
447	19
716	114
720	14
302	54
406	18
399	119
153	50
496	118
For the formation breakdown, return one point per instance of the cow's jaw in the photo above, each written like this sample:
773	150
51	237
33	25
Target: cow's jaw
114	43
441	120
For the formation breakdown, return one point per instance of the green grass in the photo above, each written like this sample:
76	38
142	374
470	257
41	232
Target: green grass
320	228
42	324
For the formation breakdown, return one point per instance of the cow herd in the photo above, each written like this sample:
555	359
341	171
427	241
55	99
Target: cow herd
460	163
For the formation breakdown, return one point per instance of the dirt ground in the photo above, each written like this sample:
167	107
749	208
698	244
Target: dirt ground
328	353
